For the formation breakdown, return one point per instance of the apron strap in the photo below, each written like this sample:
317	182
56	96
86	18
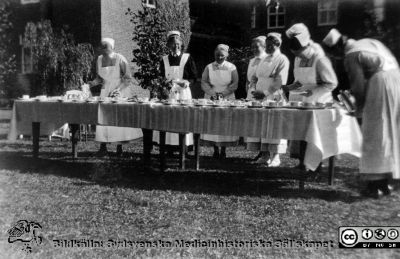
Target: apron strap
166	65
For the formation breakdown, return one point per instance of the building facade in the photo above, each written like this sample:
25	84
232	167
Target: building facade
87	20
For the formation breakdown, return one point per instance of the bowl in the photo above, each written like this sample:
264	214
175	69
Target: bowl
295	104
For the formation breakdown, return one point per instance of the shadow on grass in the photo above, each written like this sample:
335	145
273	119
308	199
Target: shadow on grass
234	176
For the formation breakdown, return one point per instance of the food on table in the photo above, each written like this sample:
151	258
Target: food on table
329	105
270	103
255	104
295	104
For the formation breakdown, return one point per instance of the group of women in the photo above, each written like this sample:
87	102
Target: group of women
372	69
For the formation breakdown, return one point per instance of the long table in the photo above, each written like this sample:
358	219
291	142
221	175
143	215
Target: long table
328	132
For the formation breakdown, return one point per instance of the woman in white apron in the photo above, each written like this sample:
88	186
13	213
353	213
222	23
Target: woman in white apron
258	47
375	82
314	77
180	69
220	77
270	74
114	74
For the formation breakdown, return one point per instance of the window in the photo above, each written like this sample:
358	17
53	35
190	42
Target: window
29	1
276	17
26	57
149	3
327	12
253	17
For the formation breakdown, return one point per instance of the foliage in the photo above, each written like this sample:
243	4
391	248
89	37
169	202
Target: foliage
240	57
150	28
7	58
174	15
61	64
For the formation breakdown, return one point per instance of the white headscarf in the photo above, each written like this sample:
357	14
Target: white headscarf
223	47
300	32
332	38
108	41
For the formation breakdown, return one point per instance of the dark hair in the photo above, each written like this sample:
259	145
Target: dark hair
274	41
294	44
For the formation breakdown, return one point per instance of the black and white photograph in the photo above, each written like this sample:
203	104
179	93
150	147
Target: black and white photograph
199	129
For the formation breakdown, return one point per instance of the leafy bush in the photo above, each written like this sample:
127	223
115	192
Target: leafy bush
150	28
7	58
60	63
240	57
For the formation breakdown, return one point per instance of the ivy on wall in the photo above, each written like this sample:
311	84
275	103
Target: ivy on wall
7	58
149	34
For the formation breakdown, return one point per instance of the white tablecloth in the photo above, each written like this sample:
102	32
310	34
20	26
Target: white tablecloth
51	115
328	132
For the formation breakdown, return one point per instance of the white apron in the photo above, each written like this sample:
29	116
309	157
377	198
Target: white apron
307	76
220	79
175	73
264	82
111	80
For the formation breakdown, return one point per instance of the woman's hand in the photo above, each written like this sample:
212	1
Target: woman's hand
296	85
307	93
115	93
91	84
183	83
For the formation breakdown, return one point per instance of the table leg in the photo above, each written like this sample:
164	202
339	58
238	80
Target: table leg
147	146
197	150
182	150
162	151
331	169
35	139
74	129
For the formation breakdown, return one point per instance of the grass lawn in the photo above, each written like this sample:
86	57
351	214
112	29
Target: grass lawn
112	198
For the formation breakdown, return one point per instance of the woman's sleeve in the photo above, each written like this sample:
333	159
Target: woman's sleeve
356	76
190	70
205	83
97	80
162	67
280	76
126	74
326	77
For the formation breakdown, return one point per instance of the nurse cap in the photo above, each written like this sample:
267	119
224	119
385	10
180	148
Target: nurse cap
223	47
276	35
173	33
260	38
332	38
108	41
300	32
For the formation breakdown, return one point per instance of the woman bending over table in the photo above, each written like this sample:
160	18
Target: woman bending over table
314	77
270	73
180	69
375	82
220	78
114	74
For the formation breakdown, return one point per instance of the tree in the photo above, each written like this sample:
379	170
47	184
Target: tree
149	35
60	63
7	58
